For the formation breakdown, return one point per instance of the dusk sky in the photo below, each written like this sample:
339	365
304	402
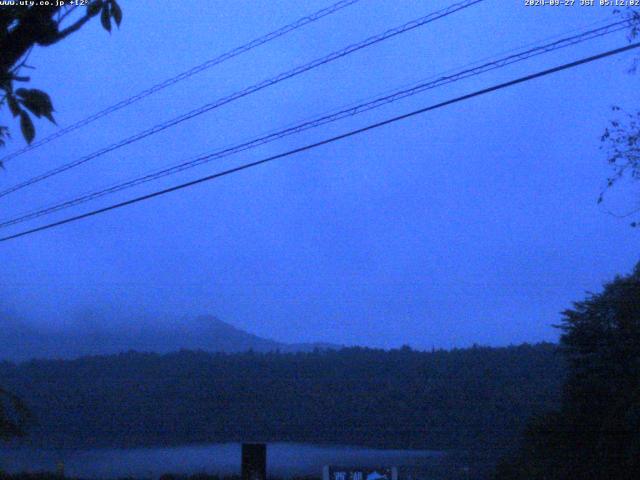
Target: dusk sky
475	223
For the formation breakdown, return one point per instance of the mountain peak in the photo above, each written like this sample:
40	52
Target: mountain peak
203	332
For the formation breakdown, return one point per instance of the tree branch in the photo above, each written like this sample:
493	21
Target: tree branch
70	29
34	27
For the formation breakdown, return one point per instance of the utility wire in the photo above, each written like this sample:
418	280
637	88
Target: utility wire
184	75
249	90
336	138
330	118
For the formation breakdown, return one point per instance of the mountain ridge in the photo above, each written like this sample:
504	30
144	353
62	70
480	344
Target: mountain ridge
20	341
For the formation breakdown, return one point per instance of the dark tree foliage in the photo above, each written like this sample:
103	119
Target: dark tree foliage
621	139
596	432
13	416
470	398
23	27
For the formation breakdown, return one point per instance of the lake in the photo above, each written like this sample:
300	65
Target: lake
283	459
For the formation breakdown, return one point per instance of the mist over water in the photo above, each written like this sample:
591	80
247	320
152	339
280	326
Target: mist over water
283	460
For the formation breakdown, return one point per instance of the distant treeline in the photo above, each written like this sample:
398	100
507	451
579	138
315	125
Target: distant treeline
477	397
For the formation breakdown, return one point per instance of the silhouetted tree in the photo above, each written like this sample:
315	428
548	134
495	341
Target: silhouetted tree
602	342
621	138
22	27
596	432
13	416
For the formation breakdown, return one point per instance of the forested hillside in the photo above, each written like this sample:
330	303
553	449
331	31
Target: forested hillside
400	398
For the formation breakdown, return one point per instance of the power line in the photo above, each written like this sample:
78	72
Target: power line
330	118
186	74
249	90
336	138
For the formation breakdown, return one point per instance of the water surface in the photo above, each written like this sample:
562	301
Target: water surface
283	459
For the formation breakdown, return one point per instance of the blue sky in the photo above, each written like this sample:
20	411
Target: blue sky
476	223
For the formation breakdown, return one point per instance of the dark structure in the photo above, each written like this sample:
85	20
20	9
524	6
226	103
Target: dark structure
254	461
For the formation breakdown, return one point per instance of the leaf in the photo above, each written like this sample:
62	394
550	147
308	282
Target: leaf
94	8
26	125
116	12
13	105
4	133
49	117
37	101
105	18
